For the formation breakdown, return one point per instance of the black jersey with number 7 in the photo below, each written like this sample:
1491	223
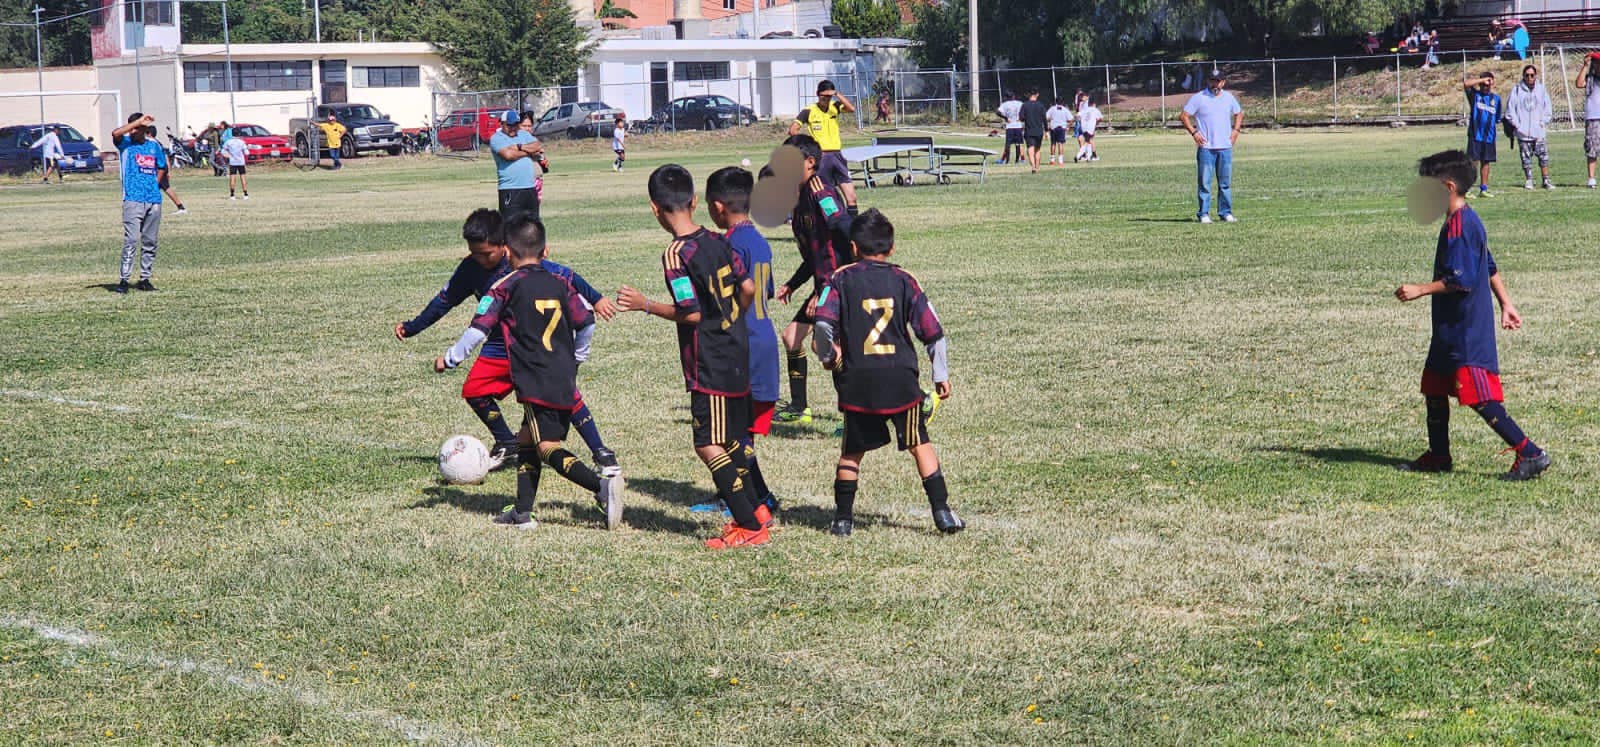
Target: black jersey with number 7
876	308
540	314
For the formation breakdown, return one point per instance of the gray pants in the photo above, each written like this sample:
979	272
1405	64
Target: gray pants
140	223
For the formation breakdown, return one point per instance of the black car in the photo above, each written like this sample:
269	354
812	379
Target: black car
709	112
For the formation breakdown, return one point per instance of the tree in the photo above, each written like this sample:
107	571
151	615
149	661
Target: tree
65	42
941	29
492	44
865	19
610	11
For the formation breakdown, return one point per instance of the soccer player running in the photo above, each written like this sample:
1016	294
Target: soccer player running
144	161
1462	360
619	140
728	200
490	379
549	328
822	230
1483	125
821	122
711	293
866	318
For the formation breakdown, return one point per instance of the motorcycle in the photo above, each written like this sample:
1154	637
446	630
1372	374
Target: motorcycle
420	141
181	154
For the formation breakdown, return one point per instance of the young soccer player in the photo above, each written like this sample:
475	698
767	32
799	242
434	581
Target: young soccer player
1088	120
1483	125
490	379
728	200
1462	360
711	293
822	229
1011	111
619	139
549	329
236	149
866	317
1060	117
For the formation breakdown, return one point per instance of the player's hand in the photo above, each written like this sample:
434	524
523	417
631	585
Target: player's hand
439	366
605	309
811	307
147	120
1234	138
835	362
400	331
630	299
784	292
942	389
1509	318
1408	292
1199	139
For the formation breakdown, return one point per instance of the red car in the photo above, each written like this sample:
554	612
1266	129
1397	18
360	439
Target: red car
263	145
455	130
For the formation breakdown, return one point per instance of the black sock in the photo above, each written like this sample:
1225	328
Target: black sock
844	494
1495	415
568	466
527	478
938	495
741	462
726	477
1438	426
488	411
758	482
797	379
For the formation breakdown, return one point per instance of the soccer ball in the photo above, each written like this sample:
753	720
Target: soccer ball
463	460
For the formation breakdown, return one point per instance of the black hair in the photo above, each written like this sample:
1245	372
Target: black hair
1486	74
525	236
1526	68
807	144
134	117
1452	165
528	115
484	225
765	172
872	233
671	188
731	186
826	85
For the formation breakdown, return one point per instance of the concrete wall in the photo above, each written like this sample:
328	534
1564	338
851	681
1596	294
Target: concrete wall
408	107
82	112
795	69
149	83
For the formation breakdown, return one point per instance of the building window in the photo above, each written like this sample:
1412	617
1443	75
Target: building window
700	71
730	4
200	77
150	12
387	77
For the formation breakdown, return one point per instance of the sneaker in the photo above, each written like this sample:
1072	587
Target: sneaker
1527	468
606	460
181	210
764	515
737	536
947	522
247	195
233	197
609	498
1094	157
1528	184
791	415
842	527
511	518
503	456
144	285
1549	184
1590	184
122	288
1205	220
1428	462
1229	218
1485	193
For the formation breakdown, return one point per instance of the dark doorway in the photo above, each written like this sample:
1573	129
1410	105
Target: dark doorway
660	93
334	82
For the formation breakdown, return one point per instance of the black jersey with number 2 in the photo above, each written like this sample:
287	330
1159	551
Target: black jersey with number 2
703	275
876	308
540	313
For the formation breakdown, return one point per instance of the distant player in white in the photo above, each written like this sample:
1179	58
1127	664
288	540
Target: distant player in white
1088	119
236	149
50	153
1060	119
619	138
1011	111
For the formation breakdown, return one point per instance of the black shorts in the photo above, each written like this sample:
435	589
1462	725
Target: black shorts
718	420
1058	135
833	168
1480	152
235	170
546	423
806	313
1013	136
519	201
1033	141
864	432
1088	137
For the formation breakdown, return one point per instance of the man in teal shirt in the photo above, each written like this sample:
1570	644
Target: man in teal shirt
514	155
144	163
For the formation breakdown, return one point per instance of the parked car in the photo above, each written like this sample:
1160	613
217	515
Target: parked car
706	112
262	145
368	129
580	120
455	130
16	153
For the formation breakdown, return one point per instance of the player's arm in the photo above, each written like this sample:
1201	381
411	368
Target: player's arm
487	317
602	305
800	276
926	326
826	340
684	309
1510	318
450	296
144	121
1583	73
1191	127
582	322
845	107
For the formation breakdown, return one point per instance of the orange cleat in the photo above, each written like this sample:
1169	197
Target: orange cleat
736	536
764	515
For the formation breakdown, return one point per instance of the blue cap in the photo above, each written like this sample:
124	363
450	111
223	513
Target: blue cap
510	117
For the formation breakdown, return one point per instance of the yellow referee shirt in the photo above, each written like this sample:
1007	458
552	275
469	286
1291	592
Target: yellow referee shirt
822	123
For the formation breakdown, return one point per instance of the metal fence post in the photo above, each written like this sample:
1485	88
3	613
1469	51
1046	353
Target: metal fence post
433	120
1397	86
1055	94
1466	113
1566	85
1336	88
1162	73
1107	96
1275	91
953	95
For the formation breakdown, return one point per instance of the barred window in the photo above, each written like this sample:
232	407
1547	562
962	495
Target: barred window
700	71
289	75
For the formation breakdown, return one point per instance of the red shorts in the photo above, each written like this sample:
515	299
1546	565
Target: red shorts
1471	385
488	377
761	417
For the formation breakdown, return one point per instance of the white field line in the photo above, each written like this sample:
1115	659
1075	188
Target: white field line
408	728
307	435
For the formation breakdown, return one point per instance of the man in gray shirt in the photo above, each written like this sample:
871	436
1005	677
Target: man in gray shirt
1589	80
1213	118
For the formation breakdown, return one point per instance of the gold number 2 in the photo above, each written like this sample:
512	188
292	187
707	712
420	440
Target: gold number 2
886	305
548	306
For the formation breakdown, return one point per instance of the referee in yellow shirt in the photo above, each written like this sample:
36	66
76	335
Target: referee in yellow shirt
821	121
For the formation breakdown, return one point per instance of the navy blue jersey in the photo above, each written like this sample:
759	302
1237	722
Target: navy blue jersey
1484	120
470	280
756	254
1463	315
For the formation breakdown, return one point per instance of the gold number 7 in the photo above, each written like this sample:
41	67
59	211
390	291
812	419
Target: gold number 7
547	306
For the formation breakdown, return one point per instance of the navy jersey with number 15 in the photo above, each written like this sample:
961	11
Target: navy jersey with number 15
877	308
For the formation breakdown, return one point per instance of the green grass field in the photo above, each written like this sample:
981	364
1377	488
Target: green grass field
220	521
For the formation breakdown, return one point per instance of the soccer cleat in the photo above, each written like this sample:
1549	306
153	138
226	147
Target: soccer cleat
503	456
144	285
791	415
1094	157
606	460
1229	218
1428	462
233	197
1528	184
1590	183
1485	193
609	498
947	522
737	536
842	527
764	515
121	287
1205	220
930	406
1527	468
516	520
1549	184
181	211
